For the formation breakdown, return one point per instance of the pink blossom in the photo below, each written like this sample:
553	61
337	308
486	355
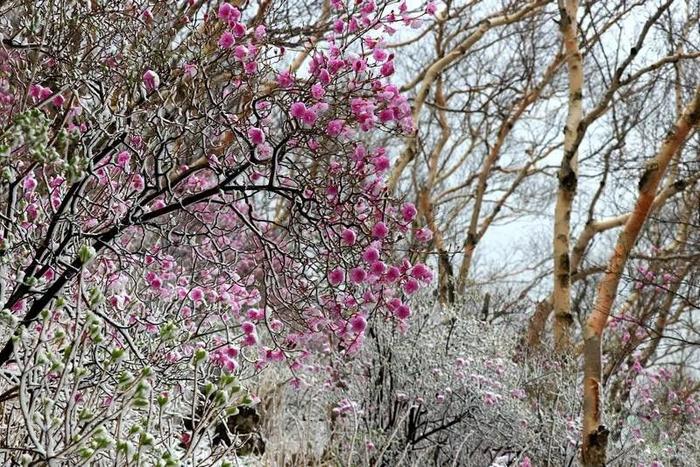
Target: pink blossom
431	8
29	184
228	12
151	80
239	29
380	230
250	67
226	40
297	110
408	212
357	275
348	237
336	276
379	54
387	68
381	163
402	311
285	79
189	70
196	294
393	273
370	255
256	135
335	127
137	182
424	235
358	323
247	327
58	100
411	286
317	91
260	32
526	462
241	52
123	159
422	272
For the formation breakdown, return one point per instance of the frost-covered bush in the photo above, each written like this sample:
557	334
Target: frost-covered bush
451	389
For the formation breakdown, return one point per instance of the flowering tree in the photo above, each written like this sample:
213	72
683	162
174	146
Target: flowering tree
188	196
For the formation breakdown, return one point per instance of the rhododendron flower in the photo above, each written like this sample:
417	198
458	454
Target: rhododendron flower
247	327
336	276
317	91
260	32
297	110
408	212
393	273
58	100
411	286
357	275
241	52
370	255
256	135
123	158
285	79
29	184
151	80
387	68
226	40
197	295
239	29
424	235
402	311
380	230
137	182
358	323
348	237
228	12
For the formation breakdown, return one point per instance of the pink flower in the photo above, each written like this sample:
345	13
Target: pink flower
336	276
379	54
137	182
393	274
297	110
58	100
358	323
380	230
430	9
357	275
309	117
421	272
189	70
226	40
239	29
123	159
151	80
228	12
370	255
260	32
285	79
334	127
378	268
317	91
424	235
526	462
256	135
29	184
402	311
408	212
247	327
348	237
241	52
197	295
411	286
387	68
